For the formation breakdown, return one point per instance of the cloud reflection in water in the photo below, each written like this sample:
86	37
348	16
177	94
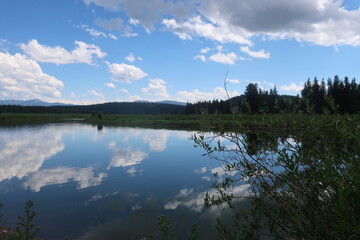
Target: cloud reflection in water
24	150
85	177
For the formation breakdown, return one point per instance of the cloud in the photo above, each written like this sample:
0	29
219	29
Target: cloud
125	73
23	78
258	54
196	95
234	81
83	53
115	24
197	27
112	36
224	58
205	50
85	178
134	21
95	33
3	42
124	90
323	22
132	58
111	24
134	98
292	87
156	88
110	85
92	31
113	5
201	57
95	93
147	12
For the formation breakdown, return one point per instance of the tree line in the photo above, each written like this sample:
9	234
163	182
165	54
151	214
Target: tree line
105	108
342	96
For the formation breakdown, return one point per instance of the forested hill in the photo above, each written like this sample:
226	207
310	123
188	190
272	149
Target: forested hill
335	96
105	108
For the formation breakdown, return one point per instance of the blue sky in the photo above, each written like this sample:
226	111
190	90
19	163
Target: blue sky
93	51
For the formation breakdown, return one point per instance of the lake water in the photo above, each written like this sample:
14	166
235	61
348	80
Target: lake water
94	182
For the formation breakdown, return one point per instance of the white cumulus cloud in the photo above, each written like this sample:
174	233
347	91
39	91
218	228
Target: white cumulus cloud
110	85
125	73
292	87
200	57
205	50
196	95
83	53
224	58
197	27
23	78
156	87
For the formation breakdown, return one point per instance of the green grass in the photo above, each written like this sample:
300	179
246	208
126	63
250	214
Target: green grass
261	121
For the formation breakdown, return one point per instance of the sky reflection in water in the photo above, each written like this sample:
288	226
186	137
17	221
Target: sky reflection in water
104	183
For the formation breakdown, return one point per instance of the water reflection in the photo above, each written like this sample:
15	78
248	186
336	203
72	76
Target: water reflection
195	201
23	151
85	177
156	140
116	180
125	157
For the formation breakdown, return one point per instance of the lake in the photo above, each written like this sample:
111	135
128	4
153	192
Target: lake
98	182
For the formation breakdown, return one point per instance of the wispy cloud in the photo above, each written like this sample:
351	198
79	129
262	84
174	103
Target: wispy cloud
255	54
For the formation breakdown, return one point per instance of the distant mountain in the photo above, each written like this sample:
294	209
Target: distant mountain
33	102
172	102
163	102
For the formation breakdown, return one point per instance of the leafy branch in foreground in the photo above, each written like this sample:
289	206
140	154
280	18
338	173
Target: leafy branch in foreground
303	179
25	227
168	233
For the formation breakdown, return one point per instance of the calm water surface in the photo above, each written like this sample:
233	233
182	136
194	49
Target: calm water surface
92	182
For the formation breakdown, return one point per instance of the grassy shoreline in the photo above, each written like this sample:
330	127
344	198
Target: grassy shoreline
191	122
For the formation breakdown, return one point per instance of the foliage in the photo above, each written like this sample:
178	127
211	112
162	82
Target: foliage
25	227
168	233
303	181
344	94
25	230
